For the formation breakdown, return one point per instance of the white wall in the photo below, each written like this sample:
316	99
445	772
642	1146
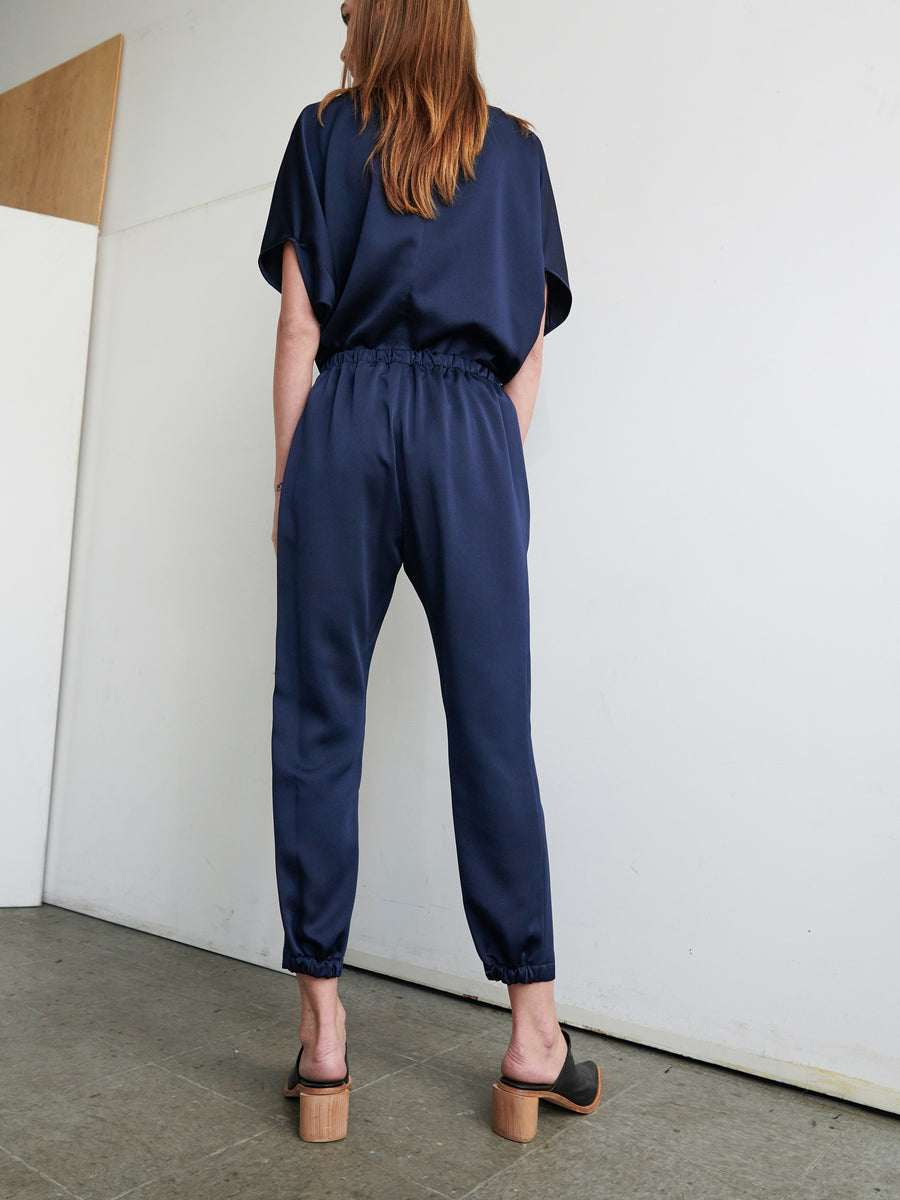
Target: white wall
46	284
714	522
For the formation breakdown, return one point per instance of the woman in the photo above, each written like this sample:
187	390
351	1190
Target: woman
413	236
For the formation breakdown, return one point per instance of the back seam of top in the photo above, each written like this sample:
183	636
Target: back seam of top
407	302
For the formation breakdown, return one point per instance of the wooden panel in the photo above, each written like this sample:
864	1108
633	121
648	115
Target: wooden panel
55	132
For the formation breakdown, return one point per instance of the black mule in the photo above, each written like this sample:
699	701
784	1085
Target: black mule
516	1104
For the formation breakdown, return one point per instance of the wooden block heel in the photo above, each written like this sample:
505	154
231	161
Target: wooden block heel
515	1114
324	1113
324	1107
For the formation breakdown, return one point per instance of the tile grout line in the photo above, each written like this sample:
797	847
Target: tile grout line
387	1075
42	1174
711	1170
220	1095
178	1172
713	1173
142	1064
526	1157
815	1161
611	1101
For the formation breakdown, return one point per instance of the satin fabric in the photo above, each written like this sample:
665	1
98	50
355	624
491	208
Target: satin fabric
412	459
470	282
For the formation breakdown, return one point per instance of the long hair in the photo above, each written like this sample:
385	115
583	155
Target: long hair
412	63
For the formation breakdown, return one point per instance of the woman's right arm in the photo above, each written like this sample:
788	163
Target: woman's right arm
522	389
296	346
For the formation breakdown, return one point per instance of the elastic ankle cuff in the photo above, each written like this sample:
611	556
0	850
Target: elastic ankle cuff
524	973
329	969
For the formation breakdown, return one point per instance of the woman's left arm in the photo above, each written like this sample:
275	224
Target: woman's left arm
522	389
296	346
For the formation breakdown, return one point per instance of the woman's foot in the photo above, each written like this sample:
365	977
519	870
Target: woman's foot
323	1030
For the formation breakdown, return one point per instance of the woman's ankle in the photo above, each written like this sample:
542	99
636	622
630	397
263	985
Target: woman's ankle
322	1015
536	1046
533	1009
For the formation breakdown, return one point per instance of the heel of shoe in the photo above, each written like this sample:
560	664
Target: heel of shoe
324	1113
515	1114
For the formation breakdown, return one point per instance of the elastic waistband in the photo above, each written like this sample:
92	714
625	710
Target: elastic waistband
411	358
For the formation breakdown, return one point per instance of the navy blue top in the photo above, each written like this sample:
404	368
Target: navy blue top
470	282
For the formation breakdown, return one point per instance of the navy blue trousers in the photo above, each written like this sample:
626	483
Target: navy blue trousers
413	459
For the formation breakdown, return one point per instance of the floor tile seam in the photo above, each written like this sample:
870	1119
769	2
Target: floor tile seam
33	1006
205	1045
463	1078
99	1079
37	1171
797	1182
711	1169
436	1054
619	1136
95	1080
715	1172
426	1190
597	1114
529	1150
190	1166
221	1095
224	1040
357	1088
24	1106
173	989
466	1038
429	1058
135	981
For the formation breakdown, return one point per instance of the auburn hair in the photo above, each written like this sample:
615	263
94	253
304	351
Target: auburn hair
412	64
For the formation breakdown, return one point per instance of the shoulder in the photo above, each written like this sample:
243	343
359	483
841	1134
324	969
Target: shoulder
517	146
313	138
313	129
506	131
340	108
504	124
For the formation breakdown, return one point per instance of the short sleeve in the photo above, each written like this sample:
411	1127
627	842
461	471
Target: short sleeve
559	295
297	215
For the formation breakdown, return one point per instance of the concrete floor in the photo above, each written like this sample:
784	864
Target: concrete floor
135	1066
